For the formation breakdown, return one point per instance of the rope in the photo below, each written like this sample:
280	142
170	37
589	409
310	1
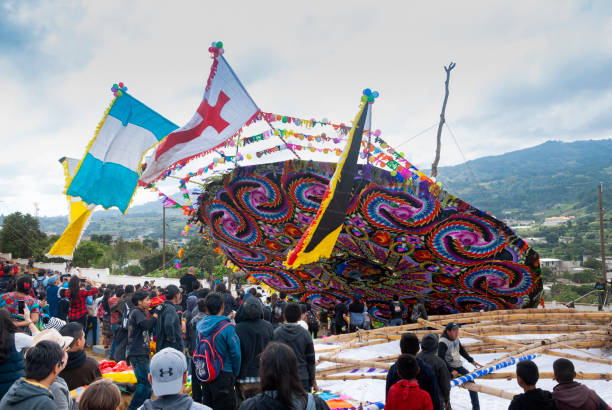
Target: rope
417	134
482	192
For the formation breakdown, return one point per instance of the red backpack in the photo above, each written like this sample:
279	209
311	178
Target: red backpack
207	361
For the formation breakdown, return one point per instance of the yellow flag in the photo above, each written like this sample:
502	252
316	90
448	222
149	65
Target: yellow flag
79	216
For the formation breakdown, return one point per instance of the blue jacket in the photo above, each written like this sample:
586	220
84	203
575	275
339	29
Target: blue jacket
53	299
227	342
11	369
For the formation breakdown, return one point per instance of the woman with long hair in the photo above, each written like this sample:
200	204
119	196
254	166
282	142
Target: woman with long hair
106	318
16	302
280	384
78	308
11	360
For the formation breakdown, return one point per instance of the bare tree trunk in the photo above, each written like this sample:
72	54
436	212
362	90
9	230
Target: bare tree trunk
434	166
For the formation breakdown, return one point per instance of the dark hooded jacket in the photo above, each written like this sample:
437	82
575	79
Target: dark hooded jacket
24	395
254	333
537	399
426	379
573	395
267	401
298	338
169	333
173	401
429	354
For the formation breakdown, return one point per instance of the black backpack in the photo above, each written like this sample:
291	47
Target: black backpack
277	311
311	320
125	318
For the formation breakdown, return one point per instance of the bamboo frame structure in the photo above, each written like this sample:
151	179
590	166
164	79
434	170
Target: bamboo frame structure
568	328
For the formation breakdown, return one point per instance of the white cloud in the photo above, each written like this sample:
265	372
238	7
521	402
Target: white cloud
526	72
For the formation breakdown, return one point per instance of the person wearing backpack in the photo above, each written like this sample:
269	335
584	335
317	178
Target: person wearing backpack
168	332
217	355
139	334
397	310
312	321
278	309
298	338
418	310
123	307
280	384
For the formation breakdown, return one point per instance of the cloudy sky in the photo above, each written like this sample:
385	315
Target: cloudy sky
526	72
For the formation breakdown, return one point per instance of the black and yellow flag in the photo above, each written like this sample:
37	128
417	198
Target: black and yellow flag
320	238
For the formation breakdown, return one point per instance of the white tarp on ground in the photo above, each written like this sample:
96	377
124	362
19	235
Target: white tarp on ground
374	390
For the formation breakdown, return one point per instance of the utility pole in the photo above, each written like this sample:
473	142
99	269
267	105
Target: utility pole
603	240
164	240
434	166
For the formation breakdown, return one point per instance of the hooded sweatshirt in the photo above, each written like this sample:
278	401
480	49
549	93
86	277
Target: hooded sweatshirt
298	338
227	343
408	392
573	396
25	395
254	334
429	354
61	395
169	333
537	399
173	401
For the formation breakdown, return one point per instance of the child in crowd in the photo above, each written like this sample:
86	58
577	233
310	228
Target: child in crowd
571	395
100	395
406	394
533	398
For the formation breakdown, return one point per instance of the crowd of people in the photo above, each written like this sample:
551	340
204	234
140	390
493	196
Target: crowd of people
248	352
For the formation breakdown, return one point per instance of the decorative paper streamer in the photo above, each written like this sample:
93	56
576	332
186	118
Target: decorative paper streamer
511	361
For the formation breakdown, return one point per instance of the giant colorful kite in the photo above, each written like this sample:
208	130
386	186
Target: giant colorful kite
327	211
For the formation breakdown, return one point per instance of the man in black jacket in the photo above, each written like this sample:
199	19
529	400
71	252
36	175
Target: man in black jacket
409	344
139	334
298	338
169	333
254	334
527	376
429	354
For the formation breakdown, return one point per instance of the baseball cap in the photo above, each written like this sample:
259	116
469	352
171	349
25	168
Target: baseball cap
53	335
451	326
167	369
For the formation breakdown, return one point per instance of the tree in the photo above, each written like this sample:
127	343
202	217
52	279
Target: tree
150	243
201	253
87	254
21	236
154	261
103	239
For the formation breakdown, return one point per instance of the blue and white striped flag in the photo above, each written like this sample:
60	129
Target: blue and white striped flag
109	172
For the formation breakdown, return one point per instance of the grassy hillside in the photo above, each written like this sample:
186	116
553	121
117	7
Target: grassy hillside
545	180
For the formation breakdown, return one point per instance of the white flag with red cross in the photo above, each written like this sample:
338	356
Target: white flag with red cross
224	110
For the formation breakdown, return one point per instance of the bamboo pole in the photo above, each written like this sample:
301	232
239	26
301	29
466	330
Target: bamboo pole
345	377
361	363
577	357
488	390
481	337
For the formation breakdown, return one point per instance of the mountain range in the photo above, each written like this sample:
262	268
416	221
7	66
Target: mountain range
550	179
